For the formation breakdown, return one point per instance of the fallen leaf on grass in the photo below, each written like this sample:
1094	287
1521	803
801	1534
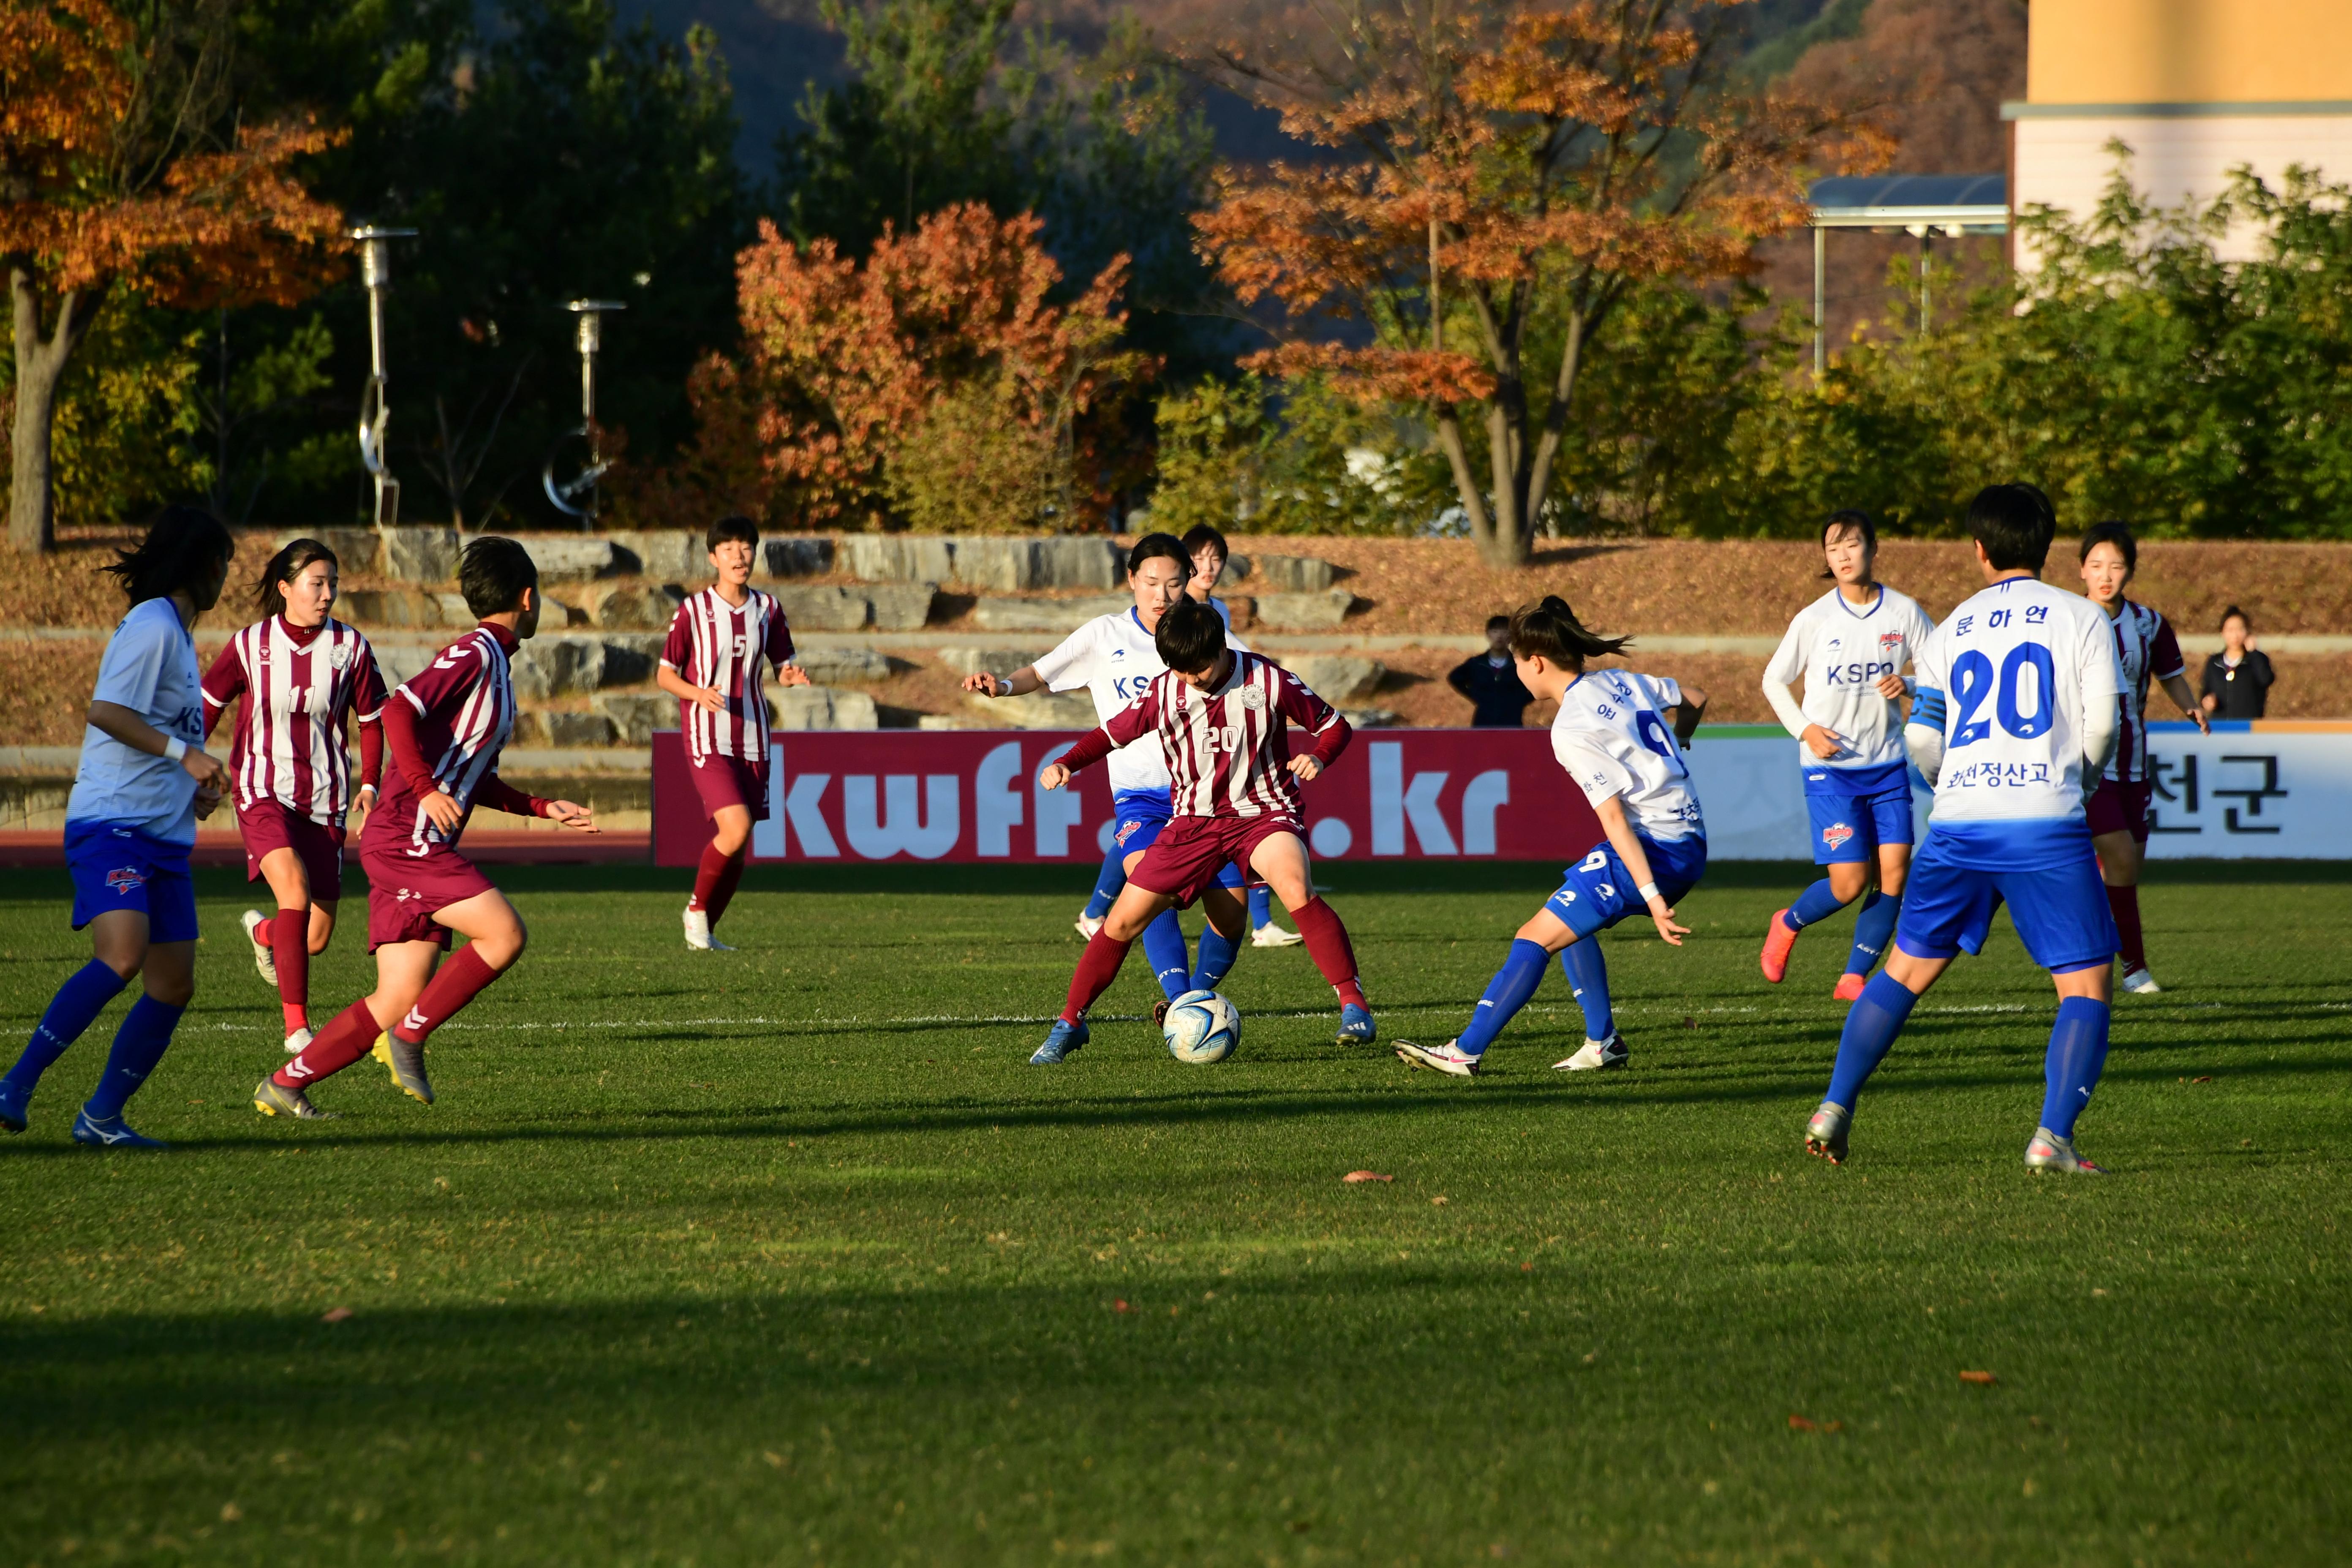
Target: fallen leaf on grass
334	1315
1120	1306
1985	1378
1799	1424
1527	1268
2207	1078
1366	1176
1438	1202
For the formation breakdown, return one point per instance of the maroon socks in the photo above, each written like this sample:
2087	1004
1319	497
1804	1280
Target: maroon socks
1328	945
457	982
715	881
1097	967
337	1047
289	949
2124	904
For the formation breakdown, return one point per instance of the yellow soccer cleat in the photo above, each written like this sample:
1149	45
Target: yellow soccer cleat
406	1064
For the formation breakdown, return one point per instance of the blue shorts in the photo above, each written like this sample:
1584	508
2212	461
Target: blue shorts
1140	816
2053	894
1599	891
1855	810
118	867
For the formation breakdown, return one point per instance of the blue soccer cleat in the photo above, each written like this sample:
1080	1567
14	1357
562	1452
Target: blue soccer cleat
112	1133
1356	1026
13	1102
1060	1040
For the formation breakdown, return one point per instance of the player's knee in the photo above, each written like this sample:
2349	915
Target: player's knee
172	990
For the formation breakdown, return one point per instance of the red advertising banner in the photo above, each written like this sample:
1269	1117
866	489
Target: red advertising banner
965	795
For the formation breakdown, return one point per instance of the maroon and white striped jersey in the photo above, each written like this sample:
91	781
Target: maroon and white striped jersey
2148	650
715	644
299	683
465	711
1226	749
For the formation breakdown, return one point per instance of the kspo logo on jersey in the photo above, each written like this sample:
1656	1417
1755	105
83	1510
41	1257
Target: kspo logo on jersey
1868	672
1837	834
1890	644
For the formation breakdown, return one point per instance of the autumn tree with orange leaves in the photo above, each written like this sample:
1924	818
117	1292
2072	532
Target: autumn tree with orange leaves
934	383
121	165
1498	164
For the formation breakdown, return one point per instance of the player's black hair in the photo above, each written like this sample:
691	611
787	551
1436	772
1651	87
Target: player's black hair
2118	534
185	547
1201	536
2241	614
2014	524
1551	630
1192	635
736	526
1850	517
1157	547
1493	621
2042	500
284	567
492	575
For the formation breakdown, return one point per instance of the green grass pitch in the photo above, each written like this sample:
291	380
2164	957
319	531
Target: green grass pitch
785	1257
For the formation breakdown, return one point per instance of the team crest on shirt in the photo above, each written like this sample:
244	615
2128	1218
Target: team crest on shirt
1889	641
1836	835
1252	699
124	877
339	655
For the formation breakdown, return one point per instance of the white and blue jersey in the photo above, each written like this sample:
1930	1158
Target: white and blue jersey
1114	658
132	817
2008	681
1859	798
1612	736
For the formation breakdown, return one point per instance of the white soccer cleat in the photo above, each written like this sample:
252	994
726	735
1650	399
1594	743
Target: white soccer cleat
1596	1055
263	959
298	1042
1087	926
1449	1059
697	934
2048	1151
2140	983
1273	935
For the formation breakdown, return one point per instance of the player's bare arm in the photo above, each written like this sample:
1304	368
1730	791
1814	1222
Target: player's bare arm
1020	683
1628	845
117	722
2184	698
709	699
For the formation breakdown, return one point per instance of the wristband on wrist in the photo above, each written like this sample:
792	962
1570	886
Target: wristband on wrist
1648	890
176	748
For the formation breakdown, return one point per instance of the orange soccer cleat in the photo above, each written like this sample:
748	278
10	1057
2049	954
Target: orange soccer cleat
1849	986
1778	938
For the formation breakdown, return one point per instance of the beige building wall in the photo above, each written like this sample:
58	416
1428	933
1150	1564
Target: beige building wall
2194	87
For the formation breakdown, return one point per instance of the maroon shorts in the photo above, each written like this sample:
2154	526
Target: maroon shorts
1184	861
731	781
2120	808
405	891
269	825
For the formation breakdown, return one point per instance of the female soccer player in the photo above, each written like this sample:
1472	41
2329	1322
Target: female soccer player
1613	737
144	779
712	664
2144	647
1851	646
1116	658
300	672
1221	719
445	730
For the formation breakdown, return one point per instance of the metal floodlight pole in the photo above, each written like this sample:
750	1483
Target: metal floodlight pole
376	413
577	495
1821	323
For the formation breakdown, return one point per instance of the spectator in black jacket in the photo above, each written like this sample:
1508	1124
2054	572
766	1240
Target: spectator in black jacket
1491	682
2237	678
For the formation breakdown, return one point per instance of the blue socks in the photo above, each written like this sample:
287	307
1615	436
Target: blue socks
1505	994
1815	903
2078	1051
1172	964
1873	929
1261	906
1871	1026
78	1002
138	1045
1218	951
1588	976
1108	883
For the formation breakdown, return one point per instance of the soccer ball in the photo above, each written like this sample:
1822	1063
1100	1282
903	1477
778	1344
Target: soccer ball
1202	1027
